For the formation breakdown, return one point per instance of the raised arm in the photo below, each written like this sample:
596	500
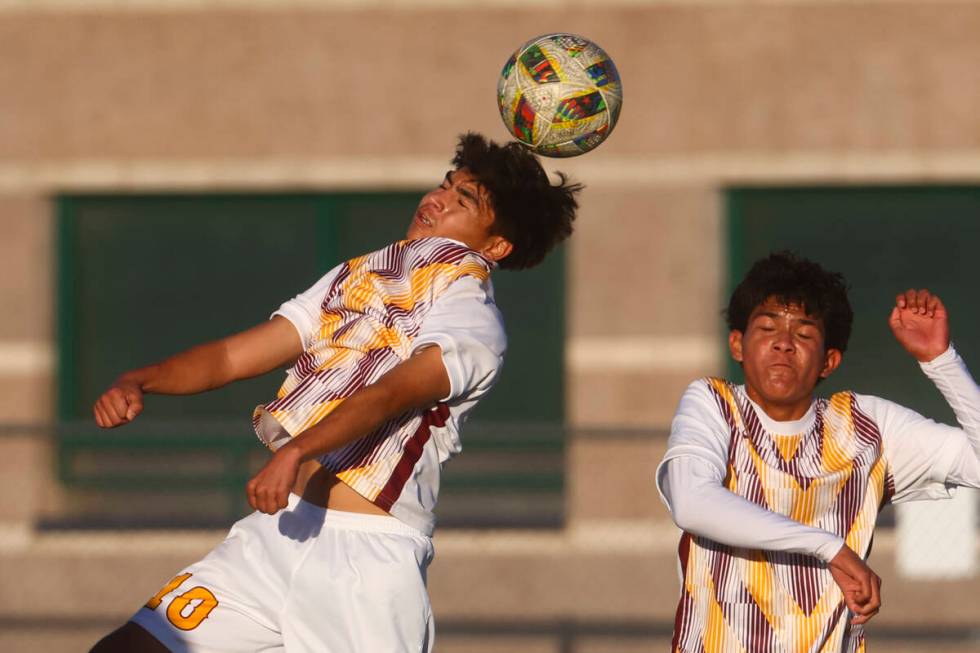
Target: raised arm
214	364
920	323
418	382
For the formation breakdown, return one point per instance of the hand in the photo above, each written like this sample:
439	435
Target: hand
920	324
860	585
268	491
120	404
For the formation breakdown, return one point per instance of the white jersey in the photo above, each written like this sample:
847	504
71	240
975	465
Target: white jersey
753	494
928	460
359	321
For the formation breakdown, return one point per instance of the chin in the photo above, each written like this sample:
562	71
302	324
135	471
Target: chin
781	394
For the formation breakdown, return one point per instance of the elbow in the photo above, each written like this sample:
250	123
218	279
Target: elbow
685	516
223	366
680	519
686	523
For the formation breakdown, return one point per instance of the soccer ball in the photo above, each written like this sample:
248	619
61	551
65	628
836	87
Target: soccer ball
560	95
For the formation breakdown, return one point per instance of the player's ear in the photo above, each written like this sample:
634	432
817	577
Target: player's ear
735	345
498	248
831	361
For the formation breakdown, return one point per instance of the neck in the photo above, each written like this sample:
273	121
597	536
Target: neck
781	411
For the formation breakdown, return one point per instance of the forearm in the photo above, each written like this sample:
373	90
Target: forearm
198	369
702	506
415	383
953	379
418	382
360	414
252	352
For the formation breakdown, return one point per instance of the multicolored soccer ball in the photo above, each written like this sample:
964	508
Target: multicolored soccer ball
560	95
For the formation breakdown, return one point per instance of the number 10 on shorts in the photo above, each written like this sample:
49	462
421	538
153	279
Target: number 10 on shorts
185	611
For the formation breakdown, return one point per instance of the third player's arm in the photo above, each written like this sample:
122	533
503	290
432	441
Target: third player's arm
920	323
205	367
691	480
418	382
700	504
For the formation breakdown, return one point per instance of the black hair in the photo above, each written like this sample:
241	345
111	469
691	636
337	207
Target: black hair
792	279
529	211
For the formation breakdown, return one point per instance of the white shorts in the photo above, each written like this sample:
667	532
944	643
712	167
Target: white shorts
304	579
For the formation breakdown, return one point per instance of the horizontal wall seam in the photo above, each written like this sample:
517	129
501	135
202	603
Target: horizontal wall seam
583	354
393	172
650	354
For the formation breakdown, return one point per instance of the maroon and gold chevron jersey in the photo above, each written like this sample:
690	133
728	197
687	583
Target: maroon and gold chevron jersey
833	477
370	316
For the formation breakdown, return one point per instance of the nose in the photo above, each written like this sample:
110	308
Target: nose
436	198
783	341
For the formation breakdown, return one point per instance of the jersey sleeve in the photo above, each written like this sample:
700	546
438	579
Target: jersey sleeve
303	310
701	505
690	481
698	430
961	391
465	324
928	459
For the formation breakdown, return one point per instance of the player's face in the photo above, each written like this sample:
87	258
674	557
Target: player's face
459	209
783	356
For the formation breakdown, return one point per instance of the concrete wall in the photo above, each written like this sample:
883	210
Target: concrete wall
326	95
251	95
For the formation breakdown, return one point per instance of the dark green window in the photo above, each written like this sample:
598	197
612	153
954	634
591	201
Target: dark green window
142	277
884	240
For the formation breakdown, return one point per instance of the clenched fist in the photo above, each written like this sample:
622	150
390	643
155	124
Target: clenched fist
118	405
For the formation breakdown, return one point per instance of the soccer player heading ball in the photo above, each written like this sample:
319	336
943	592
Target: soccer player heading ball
389	352
777	491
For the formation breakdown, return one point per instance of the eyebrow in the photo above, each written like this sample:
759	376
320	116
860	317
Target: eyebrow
470	195
770	314
463	190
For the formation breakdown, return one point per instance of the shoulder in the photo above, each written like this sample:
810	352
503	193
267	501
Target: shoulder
450	253
440	250
432	263
872	405
710	390
891	419
699	427
466	310
707	399
716	385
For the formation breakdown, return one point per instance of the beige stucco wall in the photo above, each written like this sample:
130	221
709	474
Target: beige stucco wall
699	77
716	93
240	95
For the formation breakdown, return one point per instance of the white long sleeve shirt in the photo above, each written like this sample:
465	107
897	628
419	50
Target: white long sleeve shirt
926	460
